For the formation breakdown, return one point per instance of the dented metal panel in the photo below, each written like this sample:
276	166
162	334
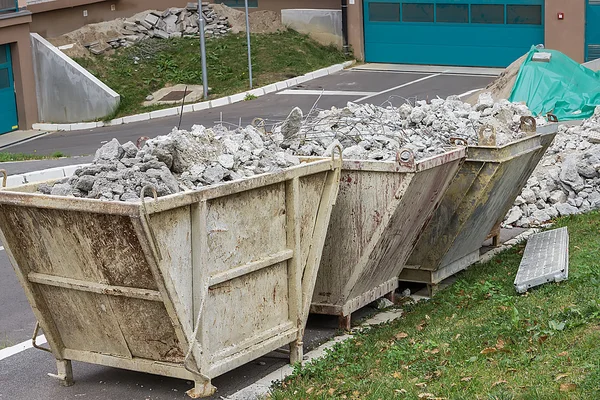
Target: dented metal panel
189	286
379	213
479	197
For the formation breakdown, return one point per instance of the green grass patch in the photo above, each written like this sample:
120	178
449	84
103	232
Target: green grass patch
478	339
5	157
137	71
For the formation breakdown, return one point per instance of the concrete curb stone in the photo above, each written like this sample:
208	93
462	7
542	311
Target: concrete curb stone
169	112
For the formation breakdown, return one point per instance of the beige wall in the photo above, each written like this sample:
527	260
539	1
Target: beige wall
567	35
356	37
15	31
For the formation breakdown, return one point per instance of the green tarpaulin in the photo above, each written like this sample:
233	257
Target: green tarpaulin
561	86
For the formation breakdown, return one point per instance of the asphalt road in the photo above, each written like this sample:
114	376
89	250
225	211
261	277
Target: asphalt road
23	376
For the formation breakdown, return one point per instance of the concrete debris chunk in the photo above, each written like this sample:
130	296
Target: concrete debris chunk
567	179
179	161
366	131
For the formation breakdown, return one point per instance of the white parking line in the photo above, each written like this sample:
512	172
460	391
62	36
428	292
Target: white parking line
1	248
460	96
398	87
17	348
326	92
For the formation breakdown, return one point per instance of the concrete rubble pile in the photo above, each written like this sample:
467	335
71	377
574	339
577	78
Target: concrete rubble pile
172	163
173	22
567	179
366	131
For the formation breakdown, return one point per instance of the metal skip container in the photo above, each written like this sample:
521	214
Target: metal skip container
189	286
379	213
474	205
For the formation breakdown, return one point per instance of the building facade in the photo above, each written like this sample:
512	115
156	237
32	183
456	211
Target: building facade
471	32
18	106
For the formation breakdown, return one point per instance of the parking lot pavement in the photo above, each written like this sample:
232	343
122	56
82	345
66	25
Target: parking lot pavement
23	375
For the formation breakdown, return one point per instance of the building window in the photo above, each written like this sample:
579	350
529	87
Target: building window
527	15
239	3
417	12
487	13
384	12
457	13
4	82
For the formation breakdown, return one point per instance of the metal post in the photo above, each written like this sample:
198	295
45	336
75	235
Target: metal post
202	49
248	39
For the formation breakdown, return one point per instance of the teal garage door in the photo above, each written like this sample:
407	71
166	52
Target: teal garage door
483	33
8	105
592	30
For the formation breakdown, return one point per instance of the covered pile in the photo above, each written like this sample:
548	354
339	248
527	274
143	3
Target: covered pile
172	163
567	179
366	131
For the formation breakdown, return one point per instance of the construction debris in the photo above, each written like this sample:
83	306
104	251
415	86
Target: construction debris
366	131
567	179
170	23
185	160
172	163
545	259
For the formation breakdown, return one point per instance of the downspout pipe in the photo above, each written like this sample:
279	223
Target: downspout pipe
345	26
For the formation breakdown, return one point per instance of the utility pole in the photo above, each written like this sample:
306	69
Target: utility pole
202	49
248	39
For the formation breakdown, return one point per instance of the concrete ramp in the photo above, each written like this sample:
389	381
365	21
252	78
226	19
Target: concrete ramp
66	91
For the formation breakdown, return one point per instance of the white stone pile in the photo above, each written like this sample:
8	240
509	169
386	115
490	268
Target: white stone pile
567	179
366	131
173	163
171	23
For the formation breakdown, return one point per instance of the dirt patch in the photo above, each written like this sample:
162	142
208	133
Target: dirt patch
260	21
100	32
502	86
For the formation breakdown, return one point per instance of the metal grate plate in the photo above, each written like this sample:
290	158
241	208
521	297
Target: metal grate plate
546	259
175	95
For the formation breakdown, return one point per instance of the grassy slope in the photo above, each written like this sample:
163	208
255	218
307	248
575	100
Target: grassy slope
275	57
478	339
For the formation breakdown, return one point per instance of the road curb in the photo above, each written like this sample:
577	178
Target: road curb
188	108
42	175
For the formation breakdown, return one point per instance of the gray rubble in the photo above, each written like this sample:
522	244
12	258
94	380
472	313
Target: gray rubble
366	131
172	163
171	23
567	179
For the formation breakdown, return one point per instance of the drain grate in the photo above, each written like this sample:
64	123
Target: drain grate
175	95
546	259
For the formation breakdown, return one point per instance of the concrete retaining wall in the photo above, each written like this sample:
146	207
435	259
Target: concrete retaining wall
67	92
594	65
325	26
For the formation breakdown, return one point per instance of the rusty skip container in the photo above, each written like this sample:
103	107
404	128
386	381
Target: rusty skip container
474	205
189	286
380	210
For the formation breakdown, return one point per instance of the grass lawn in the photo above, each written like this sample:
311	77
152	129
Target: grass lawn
5	157
140	70
478	339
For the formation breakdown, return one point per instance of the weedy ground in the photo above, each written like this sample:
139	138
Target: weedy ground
5	156
478	339
137	71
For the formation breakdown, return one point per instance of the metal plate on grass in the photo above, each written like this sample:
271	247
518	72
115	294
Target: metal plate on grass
546	259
